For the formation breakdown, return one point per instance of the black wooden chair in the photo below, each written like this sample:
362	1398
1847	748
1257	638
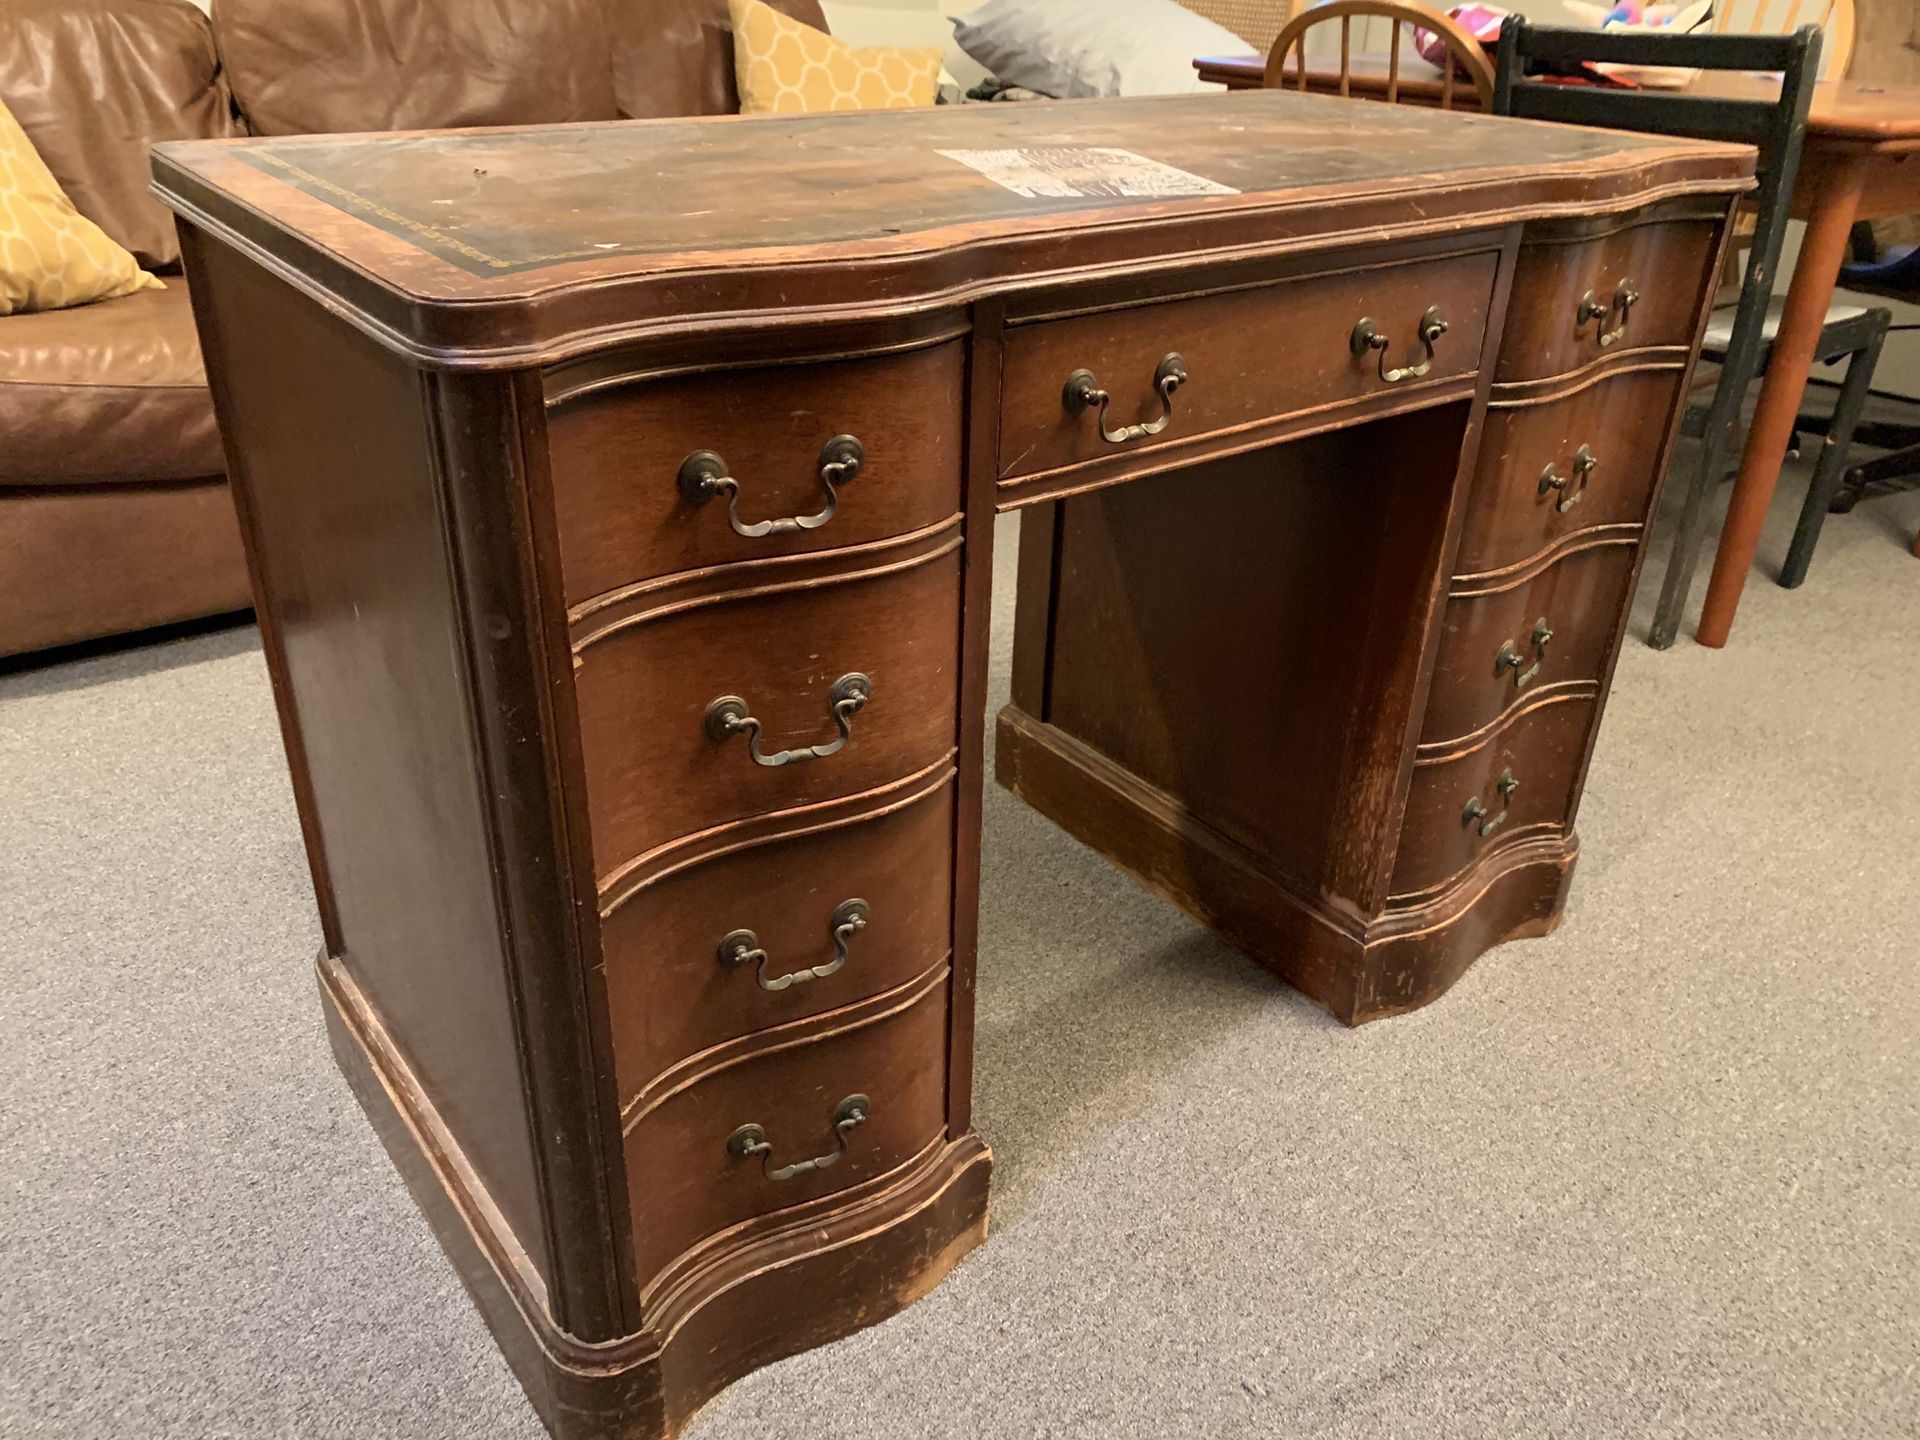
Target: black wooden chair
1896	277
1739	338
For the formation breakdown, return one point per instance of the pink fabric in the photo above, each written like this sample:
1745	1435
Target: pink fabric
1480	21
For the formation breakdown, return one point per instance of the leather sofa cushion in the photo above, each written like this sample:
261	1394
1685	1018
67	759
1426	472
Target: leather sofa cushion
94	83
106	393
675	57
313	66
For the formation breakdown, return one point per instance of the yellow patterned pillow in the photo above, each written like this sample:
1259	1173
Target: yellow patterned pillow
51	255
785	67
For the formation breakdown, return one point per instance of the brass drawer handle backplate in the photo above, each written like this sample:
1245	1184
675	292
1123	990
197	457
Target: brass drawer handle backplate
1571	487
742	947
704	475
1510	657
751	1140
1625	297
1366	336
1083	391
1476	812
729	716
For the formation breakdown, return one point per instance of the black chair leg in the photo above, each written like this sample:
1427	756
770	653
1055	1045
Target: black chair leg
1694	512
1899	465
1832	466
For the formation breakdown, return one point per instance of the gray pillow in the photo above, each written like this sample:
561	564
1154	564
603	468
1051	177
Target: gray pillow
1077	48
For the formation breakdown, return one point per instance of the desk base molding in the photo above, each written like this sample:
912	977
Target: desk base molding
769	1289
1355	968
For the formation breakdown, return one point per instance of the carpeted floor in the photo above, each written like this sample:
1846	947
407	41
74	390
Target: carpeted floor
1655	1176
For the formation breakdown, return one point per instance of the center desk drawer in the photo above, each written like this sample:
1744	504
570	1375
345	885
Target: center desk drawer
1230	360
747	704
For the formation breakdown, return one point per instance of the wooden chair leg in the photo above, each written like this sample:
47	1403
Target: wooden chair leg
1832	466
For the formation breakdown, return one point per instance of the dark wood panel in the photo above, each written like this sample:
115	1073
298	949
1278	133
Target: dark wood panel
685	1182
1236	635
654	773
1541	749
1662	263
669	994
617	452
336	473
1577	602
1250	355
1620	421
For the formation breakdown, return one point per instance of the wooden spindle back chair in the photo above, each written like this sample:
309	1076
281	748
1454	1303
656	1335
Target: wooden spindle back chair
1463	51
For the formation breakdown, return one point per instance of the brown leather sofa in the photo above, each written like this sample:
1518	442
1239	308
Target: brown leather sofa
114	511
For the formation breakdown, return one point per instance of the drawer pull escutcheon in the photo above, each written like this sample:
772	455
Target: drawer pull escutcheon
704	475
1476	811
742	947
1082	390
1510	657
1366	336
750	1140
1592	308
729	716
1571	487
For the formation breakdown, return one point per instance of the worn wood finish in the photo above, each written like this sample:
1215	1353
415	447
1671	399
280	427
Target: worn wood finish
617	451
789	1079
1490	662
669	993
1657	259
782	653
1511	517
1233	379
495	628
1540	746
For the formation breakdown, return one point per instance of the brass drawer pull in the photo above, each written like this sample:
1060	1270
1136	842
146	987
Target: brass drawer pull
1625	297
742	947
1082	390
1366	336
1476	811
703	475
1571	487
750	1140
1510	657
729	716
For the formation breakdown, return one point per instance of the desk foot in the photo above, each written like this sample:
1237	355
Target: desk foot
766	1290
1356	968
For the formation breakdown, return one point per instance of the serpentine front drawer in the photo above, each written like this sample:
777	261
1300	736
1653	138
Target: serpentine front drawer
1465	805
1507	637
794	920
1089	385
675	474
1628	284
710	709
1586	458
784	1117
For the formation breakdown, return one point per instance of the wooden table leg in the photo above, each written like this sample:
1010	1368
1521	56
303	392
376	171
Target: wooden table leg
1831	201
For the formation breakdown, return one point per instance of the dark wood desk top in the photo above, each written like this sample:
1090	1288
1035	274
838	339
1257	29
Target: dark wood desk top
446	243
1854	111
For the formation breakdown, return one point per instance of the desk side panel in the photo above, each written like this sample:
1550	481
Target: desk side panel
332	464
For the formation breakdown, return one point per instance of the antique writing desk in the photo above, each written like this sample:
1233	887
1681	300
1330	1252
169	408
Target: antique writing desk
620	501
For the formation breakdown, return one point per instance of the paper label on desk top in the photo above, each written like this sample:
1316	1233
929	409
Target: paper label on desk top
1084	172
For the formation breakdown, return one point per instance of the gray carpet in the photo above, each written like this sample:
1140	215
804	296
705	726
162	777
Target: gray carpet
1655	1176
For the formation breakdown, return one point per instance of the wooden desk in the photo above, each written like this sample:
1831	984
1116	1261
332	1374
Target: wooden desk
1861	162
645	832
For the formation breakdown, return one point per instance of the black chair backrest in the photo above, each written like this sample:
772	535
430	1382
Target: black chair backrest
1777	126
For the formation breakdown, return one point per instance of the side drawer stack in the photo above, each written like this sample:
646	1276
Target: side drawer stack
1578	423
762	569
